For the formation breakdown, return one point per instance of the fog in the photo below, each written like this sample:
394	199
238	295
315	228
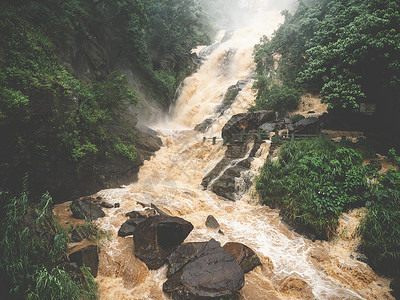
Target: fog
234	14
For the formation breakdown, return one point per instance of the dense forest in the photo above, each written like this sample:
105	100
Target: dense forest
345	51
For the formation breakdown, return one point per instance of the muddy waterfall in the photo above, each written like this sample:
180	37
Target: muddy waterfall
293	267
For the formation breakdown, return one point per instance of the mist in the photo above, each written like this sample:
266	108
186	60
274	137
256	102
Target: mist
235	14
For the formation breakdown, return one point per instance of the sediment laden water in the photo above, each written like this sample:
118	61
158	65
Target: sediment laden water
293	267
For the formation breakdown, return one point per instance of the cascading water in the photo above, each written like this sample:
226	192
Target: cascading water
293	267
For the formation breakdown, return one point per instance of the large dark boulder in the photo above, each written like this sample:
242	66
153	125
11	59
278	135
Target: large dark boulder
86	208
212	274
157	236
182	255
86	255
247	122
246	257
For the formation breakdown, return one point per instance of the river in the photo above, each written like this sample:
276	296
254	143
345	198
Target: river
293	267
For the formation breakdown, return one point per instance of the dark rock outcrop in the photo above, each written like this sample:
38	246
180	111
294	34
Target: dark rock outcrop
246	257
135	217
211	222
247	122
86	255
86	208
213	273
156	238
307	126
230	177
203	126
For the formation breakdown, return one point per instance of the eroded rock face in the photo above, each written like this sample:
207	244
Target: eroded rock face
307	126
213	273
233	168
246	257
86	208
157	236
247	122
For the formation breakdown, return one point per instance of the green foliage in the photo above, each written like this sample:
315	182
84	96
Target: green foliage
127	151
313	182
344	50
380	228
280	98
33	248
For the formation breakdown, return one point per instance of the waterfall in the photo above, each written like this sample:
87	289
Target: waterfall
172	177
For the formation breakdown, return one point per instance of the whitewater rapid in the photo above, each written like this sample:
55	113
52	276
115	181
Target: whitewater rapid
292	267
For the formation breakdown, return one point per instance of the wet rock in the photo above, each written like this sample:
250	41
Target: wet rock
141	215
211	222
127	228
85	208
107	205
296	288
157	237
86	255
80	233
246	257
247	122
203	126
268	127
307	126
212	274
182	255
135	217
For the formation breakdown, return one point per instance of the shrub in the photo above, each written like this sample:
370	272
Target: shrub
32	253
313	182
380	228
280	98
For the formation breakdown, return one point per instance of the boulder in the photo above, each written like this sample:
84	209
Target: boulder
127	228
157	237
107	205
86	255
213	273
182	255
307	126
135	217
246	257
85	208
247	122
211	222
